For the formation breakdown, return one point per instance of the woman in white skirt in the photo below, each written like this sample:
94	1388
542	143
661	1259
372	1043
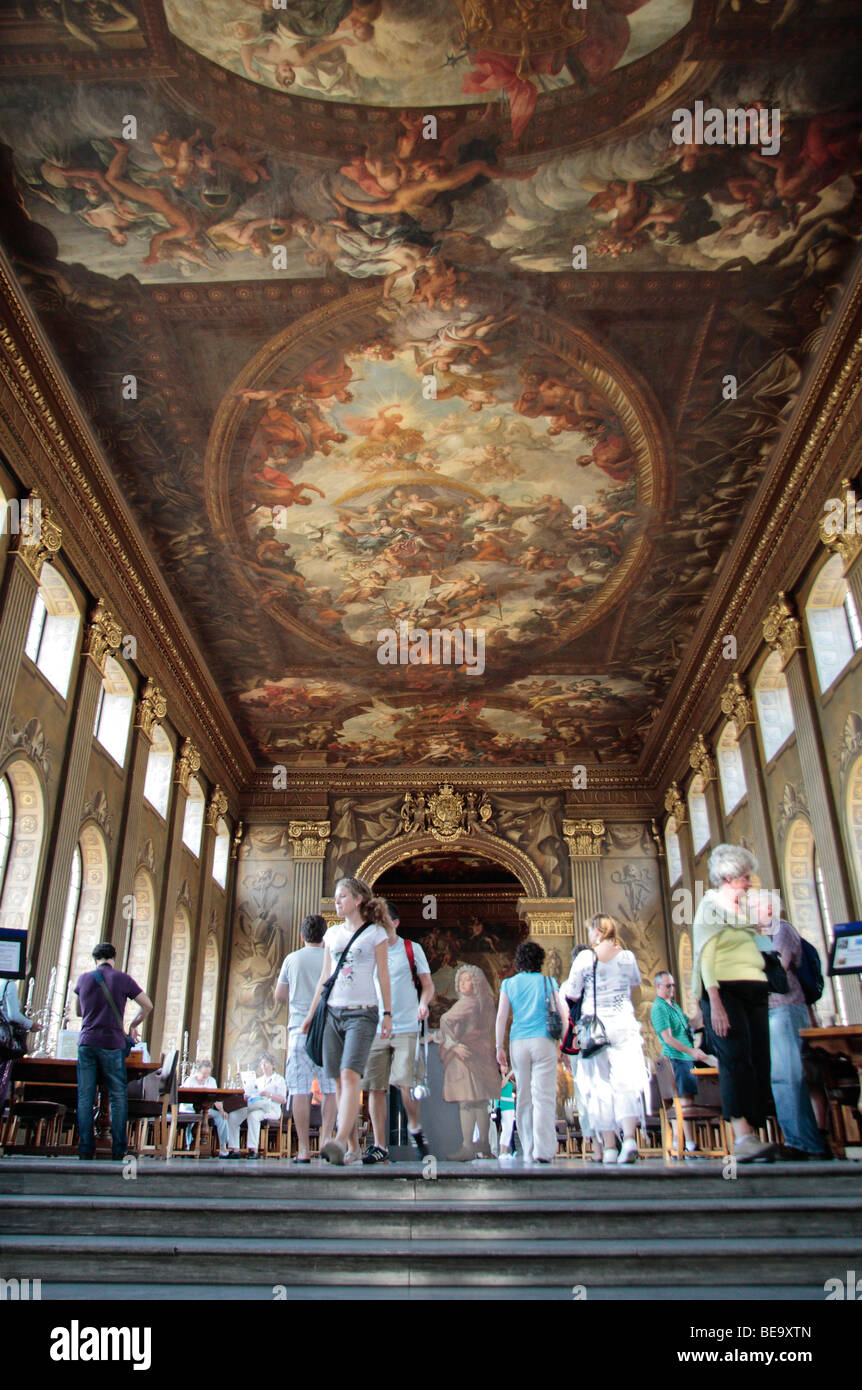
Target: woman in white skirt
611	1083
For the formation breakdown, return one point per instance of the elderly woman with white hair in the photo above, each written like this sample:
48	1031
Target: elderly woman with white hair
730	981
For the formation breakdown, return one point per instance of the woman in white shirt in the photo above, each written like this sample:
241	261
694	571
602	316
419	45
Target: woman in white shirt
612	1081
352	1011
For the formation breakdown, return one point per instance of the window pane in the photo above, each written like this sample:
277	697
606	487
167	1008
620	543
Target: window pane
193	822
220	855
699	820
37	619
5	827
157	784
113	732
830	642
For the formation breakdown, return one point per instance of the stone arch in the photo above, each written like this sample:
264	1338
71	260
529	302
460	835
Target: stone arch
178	974
143	926
803	905
28	829
853	814
412	847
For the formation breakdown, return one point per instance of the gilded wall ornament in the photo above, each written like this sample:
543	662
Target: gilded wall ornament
188	763
584	838
838	534
737	704
793	803
702	760
851	741
782	629
216	808
674	804
309	838
445	814
30	741
103	636
96	808
38	540
237	839
152	708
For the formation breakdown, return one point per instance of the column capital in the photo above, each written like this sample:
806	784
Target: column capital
782	629
674	804
737	704
701	760
838	533
39	535
188	763
216	807
103	636
584	838
151	710
308	838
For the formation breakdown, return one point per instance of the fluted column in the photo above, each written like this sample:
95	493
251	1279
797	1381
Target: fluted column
585	839
216	808
188	763
736	703
101	638
308	841
33	545
782	630
703	764
151	709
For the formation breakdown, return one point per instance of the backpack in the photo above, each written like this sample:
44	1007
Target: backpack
809	972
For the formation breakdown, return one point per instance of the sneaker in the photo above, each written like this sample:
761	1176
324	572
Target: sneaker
629	1151
376	1154
420	1143
788	1154
333	1152
610	1156
750	1149
352	1156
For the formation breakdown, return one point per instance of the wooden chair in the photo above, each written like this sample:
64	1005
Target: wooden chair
272	1138
705	1113
158	1095
42	1121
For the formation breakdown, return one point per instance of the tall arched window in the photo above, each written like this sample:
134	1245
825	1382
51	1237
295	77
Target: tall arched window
160	762
774	711
193	821
853	811
54	625
114	711
673	852
22	830
699	815
90	916
803	898
731	773
70	917
208	998
143	922
178	974
833	623
221	852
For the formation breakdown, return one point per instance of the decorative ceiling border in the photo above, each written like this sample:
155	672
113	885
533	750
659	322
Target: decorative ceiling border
45	427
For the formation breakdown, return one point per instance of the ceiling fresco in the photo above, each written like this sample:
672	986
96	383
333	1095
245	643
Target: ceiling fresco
474	382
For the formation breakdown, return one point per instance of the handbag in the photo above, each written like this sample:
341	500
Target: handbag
553	1017
314	1036
13	1036
128	1040
776	975
591	1034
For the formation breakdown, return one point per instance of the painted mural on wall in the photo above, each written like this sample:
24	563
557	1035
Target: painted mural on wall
632	892
254	1023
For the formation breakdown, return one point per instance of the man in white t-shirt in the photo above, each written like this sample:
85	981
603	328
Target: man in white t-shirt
297	982
265	1101
393	1060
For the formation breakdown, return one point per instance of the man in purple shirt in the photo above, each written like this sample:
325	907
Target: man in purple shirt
102	1045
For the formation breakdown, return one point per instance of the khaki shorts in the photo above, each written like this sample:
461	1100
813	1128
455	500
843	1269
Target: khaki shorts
391	1063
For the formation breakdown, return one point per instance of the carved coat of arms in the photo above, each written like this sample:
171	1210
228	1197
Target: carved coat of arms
446	810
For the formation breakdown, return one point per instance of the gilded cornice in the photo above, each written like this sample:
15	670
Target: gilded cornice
188	763
39	540
846	542
103	635
151	710
701	760
737	704
51	445
782	630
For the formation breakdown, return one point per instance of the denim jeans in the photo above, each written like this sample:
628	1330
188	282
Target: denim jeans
789	1091
110	1064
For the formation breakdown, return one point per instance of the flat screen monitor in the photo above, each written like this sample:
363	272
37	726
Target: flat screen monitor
845	953
13	953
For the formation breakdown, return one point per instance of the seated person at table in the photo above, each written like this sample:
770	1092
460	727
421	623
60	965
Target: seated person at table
101	999
264	1103
202	1078
677	1043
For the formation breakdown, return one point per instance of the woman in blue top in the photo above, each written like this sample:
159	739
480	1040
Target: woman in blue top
534	1055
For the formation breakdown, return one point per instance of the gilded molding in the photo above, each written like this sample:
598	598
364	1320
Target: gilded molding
309	838
103	635
151	710
37	542
216	807
585	838
236	842
445	814
701	760
674	804
548	916
188	763
737	704
492	847
847	541
782	630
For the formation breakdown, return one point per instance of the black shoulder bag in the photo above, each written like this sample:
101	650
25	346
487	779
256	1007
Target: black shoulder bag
314	1036
592	1037
128	1040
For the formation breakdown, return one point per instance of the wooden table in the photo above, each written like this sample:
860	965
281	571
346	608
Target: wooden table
845	1041
203	1098
56	1072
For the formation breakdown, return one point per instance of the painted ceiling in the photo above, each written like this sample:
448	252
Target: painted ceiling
429	325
